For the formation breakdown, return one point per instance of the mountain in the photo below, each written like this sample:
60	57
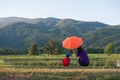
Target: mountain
101	37
17	32
10	20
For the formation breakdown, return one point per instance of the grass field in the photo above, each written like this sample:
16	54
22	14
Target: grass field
43	67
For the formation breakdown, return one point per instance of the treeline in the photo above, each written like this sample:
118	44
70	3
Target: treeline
54	47
100	50
9	51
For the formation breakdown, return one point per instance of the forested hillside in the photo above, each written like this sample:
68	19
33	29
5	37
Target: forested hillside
100	38
20	32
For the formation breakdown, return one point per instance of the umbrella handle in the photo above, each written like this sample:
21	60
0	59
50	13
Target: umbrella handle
74	51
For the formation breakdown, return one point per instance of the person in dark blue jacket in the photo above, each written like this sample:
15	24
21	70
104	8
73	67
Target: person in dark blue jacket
82	56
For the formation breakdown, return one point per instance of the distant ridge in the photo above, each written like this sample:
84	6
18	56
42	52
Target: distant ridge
21	31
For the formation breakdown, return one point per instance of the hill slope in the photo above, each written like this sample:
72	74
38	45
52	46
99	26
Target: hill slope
100	38
19	32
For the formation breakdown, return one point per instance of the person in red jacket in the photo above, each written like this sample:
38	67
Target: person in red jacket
66	60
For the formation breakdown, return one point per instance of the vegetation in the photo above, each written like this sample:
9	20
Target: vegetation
95	50
16	34
33	49
22	32
45	67
100	38
55	61
52	47
109	49
10	51
63	74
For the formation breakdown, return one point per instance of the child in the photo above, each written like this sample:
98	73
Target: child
83	57
66	60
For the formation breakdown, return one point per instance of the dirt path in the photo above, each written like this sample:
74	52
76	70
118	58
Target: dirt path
55	70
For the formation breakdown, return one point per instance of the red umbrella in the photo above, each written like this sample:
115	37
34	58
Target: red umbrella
72	42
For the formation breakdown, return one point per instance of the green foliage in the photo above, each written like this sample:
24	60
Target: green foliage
97	61
95	50
102	37
59	74
20	52
94	34
9	51
42	30
109	48
6	51
33	49
52	47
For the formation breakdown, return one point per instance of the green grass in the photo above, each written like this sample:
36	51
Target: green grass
54	61
25	67
39	74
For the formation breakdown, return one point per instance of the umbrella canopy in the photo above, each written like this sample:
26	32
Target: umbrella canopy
72	42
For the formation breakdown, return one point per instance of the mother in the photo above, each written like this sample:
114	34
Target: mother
83	57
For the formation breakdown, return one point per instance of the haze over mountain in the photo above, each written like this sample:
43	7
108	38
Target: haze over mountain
16	32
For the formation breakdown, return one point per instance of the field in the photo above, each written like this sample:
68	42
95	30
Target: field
44	67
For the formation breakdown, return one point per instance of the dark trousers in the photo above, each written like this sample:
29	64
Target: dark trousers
82	63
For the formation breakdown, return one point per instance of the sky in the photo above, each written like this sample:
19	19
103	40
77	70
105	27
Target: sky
106	11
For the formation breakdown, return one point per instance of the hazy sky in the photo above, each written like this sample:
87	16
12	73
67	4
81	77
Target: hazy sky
106	11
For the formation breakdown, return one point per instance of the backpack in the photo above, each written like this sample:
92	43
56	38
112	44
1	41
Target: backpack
66	61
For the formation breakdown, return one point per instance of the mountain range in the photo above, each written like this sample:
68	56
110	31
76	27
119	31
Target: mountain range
18	32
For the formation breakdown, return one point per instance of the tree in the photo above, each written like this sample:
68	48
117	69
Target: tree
33	49
52	47
109	48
